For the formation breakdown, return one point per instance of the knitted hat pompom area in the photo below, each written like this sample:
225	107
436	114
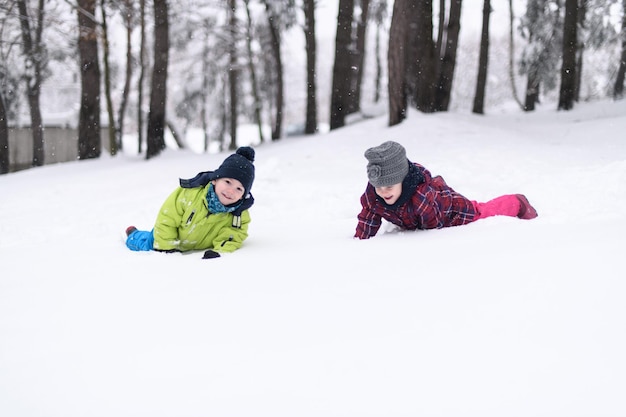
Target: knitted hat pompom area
239	166
247	152
387	164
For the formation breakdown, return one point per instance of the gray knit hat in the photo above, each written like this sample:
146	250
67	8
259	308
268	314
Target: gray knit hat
387	164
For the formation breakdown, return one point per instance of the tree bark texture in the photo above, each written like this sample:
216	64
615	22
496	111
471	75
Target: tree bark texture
483	62
158	95
396	62
4	137
339	99
354	98
107	79
233	73
128	22
568	65
34	54
280	83
618	90
310	124
448	60
89	142
425	58
258	104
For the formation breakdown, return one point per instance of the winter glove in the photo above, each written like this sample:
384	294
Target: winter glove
168	250
210	254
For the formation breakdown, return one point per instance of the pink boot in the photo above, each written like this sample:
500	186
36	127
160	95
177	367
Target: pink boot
513	205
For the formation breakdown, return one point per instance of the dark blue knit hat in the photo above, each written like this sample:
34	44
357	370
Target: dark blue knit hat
239	166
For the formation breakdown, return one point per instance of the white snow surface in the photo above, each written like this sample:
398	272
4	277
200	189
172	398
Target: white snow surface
502	317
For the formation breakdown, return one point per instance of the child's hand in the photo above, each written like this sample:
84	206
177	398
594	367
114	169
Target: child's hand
210	254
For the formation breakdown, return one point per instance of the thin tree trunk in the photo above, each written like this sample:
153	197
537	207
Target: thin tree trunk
339	100
89	142
205	85
280	87
233	73
33	51
142	72
483	62
107	80
512	56
426	58
158	90
580	49
310	125
441	34
128	22
354	105
448	61
618	90
568	68
396	61
532	90
251	69
379	66
4	138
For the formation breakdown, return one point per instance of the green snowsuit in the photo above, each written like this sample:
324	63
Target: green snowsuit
185	223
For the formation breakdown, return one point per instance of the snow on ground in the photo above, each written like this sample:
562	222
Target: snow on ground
502	317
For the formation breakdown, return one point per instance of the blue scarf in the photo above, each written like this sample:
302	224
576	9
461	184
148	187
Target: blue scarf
214	204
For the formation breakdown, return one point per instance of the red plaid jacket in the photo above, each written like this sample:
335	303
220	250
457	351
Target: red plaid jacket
431	204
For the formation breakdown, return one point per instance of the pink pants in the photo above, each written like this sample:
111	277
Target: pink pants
506	205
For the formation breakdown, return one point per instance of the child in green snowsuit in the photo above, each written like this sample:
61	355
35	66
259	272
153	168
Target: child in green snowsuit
208	212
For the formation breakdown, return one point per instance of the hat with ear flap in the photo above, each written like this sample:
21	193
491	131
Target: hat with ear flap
387	164
238	166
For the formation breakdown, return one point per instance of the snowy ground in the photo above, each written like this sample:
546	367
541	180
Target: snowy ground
502	317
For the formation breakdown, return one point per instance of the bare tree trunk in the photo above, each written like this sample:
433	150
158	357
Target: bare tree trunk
448	61
175	135
426	58
158	91
440	34
89	142
512	56
342	66
618	90
35	64
127	12
233	72
107	80
532	90
580	49
354	98
483	62
280	84
379	67
310	125
4	138
205	85
142	71
255	88
396	61
568	68
379	16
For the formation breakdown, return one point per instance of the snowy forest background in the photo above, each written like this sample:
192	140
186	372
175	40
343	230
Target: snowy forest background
246	64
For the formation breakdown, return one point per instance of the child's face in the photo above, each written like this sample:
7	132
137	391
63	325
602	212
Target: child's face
390	194
228	190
